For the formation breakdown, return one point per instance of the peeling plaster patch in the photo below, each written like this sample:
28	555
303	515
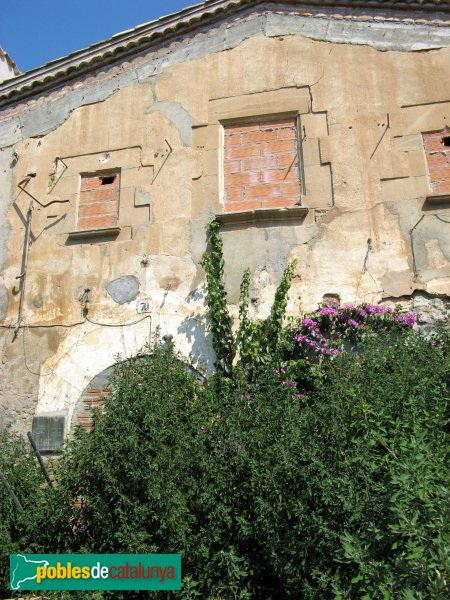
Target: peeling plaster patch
178	115
3	301
406	212
379	35
124	289
206	41
431	242
436	258
397	283
48	117
10	132
271	248
169	283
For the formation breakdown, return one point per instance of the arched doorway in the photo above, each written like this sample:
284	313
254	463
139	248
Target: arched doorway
93	396
95	393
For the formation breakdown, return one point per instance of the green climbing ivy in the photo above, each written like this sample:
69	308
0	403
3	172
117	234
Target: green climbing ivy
276	320
216	299
256	342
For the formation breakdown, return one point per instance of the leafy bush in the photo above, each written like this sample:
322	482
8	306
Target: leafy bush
20	531
270	493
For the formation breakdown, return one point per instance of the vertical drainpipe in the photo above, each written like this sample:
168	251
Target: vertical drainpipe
23	274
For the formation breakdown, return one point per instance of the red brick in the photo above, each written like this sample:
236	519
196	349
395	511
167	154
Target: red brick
232	166
287	133
264	190
256	137
437	159
96	222
241	206
276	175
278	147
284	202
290	189
248	178
268	158
253	164
242	152
444	187
232	140
97	208
98	195
89	182
288	160
234	194
431	139
440	173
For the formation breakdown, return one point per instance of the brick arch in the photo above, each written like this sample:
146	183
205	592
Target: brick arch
95	394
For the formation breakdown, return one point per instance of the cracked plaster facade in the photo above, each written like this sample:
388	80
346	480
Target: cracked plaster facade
364	90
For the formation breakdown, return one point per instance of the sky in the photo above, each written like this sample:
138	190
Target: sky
34	32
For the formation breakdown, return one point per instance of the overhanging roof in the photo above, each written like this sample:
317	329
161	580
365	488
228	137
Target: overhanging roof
192	17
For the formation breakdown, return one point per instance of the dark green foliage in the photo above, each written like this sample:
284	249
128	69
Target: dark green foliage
136	464
341	492
271	493
216	298
21	531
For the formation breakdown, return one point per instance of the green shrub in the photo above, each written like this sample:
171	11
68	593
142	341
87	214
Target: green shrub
268	492
26	530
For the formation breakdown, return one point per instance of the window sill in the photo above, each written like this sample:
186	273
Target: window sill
262	215
438	199
94	233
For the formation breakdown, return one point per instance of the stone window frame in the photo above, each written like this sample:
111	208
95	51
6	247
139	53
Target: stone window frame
107	231
264	119
207	141
435	197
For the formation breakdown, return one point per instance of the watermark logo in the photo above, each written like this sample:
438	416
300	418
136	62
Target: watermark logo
95	571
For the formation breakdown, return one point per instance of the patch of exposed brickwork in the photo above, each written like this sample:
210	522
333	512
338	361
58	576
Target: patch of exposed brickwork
261	165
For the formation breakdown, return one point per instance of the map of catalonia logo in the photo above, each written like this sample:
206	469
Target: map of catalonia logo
95	572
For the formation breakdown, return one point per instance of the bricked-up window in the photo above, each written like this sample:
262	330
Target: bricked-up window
99	201
437	152
261	164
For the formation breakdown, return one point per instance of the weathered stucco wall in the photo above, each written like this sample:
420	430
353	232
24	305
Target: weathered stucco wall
363	99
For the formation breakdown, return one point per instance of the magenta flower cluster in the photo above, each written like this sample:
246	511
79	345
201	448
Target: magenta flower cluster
311	336
324	331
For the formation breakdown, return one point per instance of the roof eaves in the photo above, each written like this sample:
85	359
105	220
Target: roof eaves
60	69
144	35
